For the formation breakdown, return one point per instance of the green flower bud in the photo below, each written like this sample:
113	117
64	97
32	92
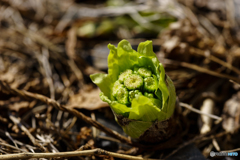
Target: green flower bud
122	95
144	72
124	75
149	95
131	73
117	85
134	94
133	81
150	84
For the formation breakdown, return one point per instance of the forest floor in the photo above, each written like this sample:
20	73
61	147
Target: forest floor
49	107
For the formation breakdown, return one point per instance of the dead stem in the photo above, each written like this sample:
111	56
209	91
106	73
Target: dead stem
203	70
29	95
25	130
97	152
199	112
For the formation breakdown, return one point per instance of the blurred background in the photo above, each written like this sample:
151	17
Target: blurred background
50	47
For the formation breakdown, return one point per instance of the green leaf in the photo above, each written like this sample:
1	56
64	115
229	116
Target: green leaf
121	58
120	109
104	82
146	48
113	65
136	128
162	86
144	109
169	108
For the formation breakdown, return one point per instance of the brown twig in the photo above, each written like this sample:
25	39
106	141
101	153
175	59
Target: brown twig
232	150
215	59
218	135
25	130
13	147
114	134
203	70
199	112
29	95
96	152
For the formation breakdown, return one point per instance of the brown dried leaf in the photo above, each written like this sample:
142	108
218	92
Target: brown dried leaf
171	44
87	99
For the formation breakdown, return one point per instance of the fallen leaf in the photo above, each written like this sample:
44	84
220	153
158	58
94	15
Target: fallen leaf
87	100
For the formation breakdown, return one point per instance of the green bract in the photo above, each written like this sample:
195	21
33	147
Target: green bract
136	87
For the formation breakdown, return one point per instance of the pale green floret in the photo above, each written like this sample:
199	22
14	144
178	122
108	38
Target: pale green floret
133	81
144	72
122	96
135	72
134	94
117	85
104	98
150	85
124	75
149	95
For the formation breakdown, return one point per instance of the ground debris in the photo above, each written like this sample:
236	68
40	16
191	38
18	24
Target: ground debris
49	48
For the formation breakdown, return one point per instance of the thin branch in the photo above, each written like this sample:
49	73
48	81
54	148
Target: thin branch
55	104
96	152
13	147
28	95
235	82
232	150
199	112
202	69
215	59
25	130
205	70
44	59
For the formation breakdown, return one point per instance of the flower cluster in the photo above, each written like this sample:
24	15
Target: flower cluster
134	83
136	87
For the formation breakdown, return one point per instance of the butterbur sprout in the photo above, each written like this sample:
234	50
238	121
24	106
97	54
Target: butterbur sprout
140	94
